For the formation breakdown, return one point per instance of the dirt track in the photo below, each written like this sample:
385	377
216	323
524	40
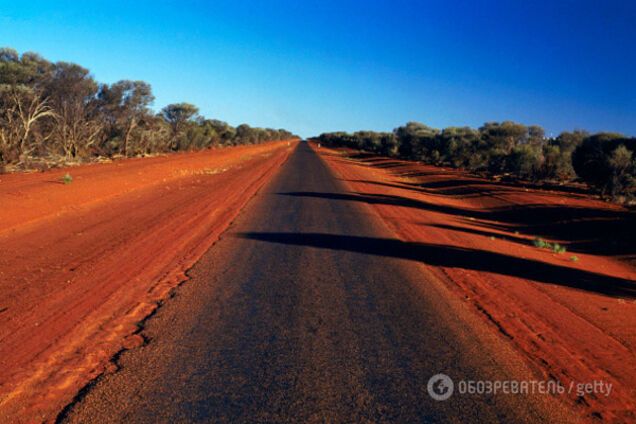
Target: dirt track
83	263
573	320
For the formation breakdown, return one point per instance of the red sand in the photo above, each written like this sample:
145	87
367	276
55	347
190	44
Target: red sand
566	330
82	264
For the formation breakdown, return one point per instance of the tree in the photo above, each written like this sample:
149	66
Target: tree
11	70
224	131
155	135
127	102
416	141
21	108
388	144
536	135
623	169
557	155
525	161
500	139
73	95
504	136
459	145
602	161
59	109
245	134
177	115
569	141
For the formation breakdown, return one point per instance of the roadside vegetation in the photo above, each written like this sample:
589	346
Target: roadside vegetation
56	113
67	178
606	162
543	244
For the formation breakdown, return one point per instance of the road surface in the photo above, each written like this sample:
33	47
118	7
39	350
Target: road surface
296	315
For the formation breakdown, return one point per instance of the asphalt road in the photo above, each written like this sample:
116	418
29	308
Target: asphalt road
291	318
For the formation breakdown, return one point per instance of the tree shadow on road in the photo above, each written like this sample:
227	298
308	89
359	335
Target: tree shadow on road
456	257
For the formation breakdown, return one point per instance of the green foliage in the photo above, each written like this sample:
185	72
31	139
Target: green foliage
418	141
127	104
574	258
557	248
543	244
604	161
525	161
460	147
58	109
67	178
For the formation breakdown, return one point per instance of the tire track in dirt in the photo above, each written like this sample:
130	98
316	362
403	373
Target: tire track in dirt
76	285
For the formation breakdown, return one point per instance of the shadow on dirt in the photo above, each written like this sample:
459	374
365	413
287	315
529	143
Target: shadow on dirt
455	184
455	257
586	230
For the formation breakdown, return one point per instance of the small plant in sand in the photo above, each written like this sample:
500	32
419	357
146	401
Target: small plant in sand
543	244
557	248
574	258
67	178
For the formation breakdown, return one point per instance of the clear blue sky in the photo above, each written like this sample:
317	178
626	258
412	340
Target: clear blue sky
322	65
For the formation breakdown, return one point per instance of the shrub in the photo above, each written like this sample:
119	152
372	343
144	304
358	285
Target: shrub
67	178
557	154
606	162
525	161
543	244
557	248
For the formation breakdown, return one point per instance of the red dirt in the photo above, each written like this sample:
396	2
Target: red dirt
82	264
573	321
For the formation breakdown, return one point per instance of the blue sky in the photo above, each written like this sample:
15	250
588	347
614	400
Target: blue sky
315	66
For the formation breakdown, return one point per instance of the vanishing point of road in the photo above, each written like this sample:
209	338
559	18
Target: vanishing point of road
291	318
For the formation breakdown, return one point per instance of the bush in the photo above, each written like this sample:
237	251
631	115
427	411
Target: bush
543	244
557	248
606	162
525	161
557	154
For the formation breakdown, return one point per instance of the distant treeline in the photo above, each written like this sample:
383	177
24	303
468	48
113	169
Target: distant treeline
57	111
605	161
